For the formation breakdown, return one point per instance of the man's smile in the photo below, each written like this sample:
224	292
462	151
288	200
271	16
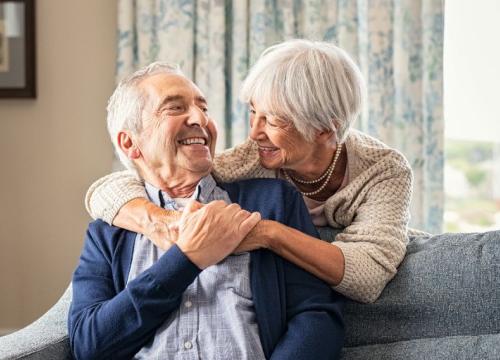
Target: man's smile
193	140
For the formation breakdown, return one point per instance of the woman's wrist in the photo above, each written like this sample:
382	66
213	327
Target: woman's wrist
132	215
271	235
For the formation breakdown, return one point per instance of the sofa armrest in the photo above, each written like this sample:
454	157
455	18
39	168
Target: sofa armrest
46	338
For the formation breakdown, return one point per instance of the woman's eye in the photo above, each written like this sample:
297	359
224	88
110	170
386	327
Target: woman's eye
271	124
272	121
252	111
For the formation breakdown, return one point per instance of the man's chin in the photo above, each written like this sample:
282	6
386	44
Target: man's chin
201	167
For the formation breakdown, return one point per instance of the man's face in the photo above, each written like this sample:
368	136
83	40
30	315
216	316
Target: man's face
177	142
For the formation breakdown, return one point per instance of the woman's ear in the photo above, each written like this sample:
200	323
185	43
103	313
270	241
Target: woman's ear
325	136
127	145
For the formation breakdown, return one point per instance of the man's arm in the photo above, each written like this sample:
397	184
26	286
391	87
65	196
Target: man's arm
104	323
108	322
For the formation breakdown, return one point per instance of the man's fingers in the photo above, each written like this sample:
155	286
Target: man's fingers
216	204
249	223
240	216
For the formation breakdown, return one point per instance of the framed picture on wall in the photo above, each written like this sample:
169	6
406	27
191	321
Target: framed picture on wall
17	49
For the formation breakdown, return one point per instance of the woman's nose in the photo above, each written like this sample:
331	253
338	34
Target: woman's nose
256	127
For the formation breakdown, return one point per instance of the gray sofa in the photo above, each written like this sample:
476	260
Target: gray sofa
444	303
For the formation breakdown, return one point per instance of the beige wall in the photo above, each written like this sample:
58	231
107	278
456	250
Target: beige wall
52	148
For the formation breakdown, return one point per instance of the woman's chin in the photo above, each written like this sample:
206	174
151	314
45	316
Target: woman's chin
271	164
270	159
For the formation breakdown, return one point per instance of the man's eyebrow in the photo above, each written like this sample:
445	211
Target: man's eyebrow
168	99
201	99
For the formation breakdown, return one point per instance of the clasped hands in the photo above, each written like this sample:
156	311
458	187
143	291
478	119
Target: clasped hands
207	234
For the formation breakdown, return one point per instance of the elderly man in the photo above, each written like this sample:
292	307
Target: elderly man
194	300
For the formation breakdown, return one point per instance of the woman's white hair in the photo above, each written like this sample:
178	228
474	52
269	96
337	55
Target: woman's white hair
315	85
127	103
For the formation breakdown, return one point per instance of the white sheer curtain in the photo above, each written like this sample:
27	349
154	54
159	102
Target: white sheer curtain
398	45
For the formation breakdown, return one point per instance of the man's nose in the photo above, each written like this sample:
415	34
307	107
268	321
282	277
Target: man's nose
197	117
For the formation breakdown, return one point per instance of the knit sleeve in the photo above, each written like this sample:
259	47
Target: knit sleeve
239	163
108	194
374	244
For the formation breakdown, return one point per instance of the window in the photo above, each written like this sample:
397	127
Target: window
472	115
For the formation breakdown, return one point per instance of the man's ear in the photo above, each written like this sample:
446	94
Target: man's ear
325	136
128	145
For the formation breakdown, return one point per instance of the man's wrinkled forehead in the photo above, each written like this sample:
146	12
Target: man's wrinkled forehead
163	87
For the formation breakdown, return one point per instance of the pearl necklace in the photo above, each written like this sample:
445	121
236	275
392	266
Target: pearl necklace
328	174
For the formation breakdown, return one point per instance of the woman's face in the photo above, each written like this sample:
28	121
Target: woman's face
280	144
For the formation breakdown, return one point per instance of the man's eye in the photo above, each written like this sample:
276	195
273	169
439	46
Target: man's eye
252	111
175	108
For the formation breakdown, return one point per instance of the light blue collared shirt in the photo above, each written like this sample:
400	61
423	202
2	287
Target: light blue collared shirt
216	318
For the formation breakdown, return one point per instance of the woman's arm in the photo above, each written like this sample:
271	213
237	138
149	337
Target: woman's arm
107	195
365	255
320	258
120	199
374	243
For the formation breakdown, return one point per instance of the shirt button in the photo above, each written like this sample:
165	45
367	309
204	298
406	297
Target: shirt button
188	304
188	345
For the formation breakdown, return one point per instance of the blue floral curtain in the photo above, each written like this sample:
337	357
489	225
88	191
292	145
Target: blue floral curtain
398	45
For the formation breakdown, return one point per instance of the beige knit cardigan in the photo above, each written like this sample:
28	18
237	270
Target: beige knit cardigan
373	208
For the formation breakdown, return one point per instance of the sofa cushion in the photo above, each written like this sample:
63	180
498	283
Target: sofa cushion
448	285
484	347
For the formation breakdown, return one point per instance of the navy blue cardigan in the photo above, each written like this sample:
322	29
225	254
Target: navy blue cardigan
299	316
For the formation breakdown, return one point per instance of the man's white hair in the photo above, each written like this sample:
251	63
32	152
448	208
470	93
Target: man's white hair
315	85
127	103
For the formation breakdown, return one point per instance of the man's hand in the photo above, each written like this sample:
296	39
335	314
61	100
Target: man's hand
210	233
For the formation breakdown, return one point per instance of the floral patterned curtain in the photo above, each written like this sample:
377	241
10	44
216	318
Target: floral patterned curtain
398	45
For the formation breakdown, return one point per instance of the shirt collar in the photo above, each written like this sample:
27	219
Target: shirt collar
202	193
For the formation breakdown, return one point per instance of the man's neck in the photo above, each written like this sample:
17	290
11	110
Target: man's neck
184	191
175	188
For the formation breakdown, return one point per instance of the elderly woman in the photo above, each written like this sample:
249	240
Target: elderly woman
303	97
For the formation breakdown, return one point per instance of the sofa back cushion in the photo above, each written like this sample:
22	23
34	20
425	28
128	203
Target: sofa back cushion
447	285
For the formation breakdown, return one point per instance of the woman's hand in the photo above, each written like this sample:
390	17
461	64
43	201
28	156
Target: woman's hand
260	237
162	229
161	225
142	216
